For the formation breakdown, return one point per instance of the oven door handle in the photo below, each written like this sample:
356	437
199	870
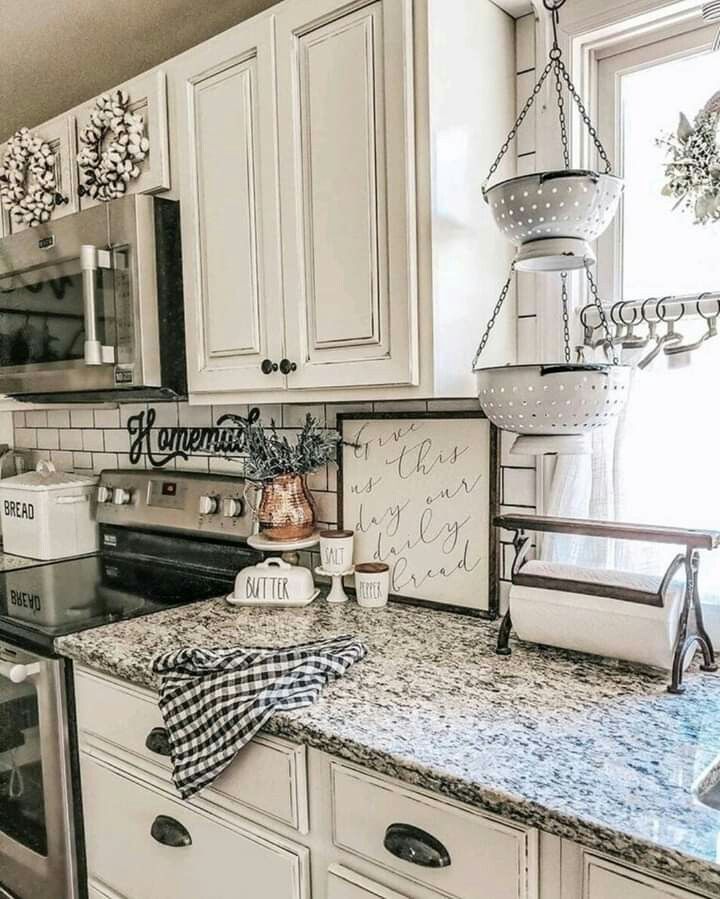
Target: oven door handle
17	674
91	259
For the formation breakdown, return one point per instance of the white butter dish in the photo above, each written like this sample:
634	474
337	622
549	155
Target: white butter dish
273	584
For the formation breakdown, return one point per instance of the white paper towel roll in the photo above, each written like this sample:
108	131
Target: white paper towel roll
596	624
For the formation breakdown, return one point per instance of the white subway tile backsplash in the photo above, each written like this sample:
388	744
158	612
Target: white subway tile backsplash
82	418
166	415
58	418
326	506
82	461
519	486
25	438
117	441
195	416
71	439
93	440
470	404
241	409
107	418
332	411
400	406
124	461
18	419
36	418
294	416
48	438
194	463
62	461
129	410
104	460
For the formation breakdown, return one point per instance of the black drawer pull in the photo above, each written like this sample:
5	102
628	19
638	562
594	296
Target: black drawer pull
169	832
416	846
267	366
158	741
286	366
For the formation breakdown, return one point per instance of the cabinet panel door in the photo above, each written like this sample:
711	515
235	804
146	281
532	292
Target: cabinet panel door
347	190
605	880
346	884
228	190
141	844
59	134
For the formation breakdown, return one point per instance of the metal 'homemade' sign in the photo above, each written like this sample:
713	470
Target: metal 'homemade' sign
227	438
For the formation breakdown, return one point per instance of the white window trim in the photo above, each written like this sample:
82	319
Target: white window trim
585	32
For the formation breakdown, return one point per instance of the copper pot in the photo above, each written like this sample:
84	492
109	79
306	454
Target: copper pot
287	509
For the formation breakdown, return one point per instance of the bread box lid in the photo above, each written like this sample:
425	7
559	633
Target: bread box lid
45	478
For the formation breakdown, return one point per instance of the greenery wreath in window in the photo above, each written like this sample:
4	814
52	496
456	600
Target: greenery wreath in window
28	181
113	143
692	171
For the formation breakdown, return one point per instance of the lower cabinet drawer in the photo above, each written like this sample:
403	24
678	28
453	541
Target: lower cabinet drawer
144	845
603	879
452	850
268	776
345	884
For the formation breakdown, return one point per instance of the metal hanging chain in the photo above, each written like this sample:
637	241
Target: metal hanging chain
496	311
518	122
561	71
555	64
601	313
565	314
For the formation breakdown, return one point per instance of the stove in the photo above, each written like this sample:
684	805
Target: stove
165	540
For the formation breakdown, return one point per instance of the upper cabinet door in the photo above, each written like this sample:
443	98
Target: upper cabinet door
228	190
346	144
59	134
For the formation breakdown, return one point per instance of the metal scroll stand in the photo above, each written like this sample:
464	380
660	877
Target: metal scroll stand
691	629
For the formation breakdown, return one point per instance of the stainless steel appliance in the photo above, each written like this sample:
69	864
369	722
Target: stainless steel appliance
166	539
91	305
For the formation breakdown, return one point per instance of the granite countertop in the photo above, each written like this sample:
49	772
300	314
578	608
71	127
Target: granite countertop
588	749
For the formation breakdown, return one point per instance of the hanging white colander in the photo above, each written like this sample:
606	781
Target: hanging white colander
552	216
557	401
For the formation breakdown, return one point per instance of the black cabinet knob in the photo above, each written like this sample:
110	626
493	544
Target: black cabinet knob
286	366
169	832
409	843
158	741
267	366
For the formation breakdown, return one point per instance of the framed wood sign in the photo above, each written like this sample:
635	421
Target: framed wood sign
420	492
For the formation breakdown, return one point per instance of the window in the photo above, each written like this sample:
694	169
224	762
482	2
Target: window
661	464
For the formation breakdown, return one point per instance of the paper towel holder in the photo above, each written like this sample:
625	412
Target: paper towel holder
691	629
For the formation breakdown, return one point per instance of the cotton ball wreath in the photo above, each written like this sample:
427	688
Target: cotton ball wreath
112	144
28	186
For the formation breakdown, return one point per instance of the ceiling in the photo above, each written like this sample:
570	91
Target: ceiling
55	54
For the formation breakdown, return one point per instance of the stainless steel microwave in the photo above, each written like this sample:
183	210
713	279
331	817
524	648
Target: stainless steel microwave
91	306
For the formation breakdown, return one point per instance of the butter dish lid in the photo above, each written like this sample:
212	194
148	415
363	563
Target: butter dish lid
274	580
46	477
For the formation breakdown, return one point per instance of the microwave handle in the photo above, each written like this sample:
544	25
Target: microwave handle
90	260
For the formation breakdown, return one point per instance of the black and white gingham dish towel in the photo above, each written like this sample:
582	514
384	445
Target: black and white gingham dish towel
213	701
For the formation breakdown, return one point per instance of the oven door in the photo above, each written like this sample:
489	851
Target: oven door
37	844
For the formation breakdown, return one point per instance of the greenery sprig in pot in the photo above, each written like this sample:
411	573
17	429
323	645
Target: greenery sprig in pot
279	466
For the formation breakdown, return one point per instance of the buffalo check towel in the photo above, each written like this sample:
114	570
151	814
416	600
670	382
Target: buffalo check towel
213	701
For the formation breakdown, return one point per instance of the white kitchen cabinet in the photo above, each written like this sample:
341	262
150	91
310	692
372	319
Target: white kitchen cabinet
226	144
147	98
59	134
343	883
585	874
330	158
140	843
346	149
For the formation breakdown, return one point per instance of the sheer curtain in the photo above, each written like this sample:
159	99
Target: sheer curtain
660	464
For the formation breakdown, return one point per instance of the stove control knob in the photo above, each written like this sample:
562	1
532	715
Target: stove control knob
208	505
232	507
104	494
121	496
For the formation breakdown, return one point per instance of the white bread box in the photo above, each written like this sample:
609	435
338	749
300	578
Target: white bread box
48	514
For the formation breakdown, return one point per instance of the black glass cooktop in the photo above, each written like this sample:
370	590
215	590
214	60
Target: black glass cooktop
50	599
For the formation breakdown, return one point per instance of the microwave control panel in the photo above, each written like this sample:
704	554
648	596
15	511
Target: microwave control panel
186	502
